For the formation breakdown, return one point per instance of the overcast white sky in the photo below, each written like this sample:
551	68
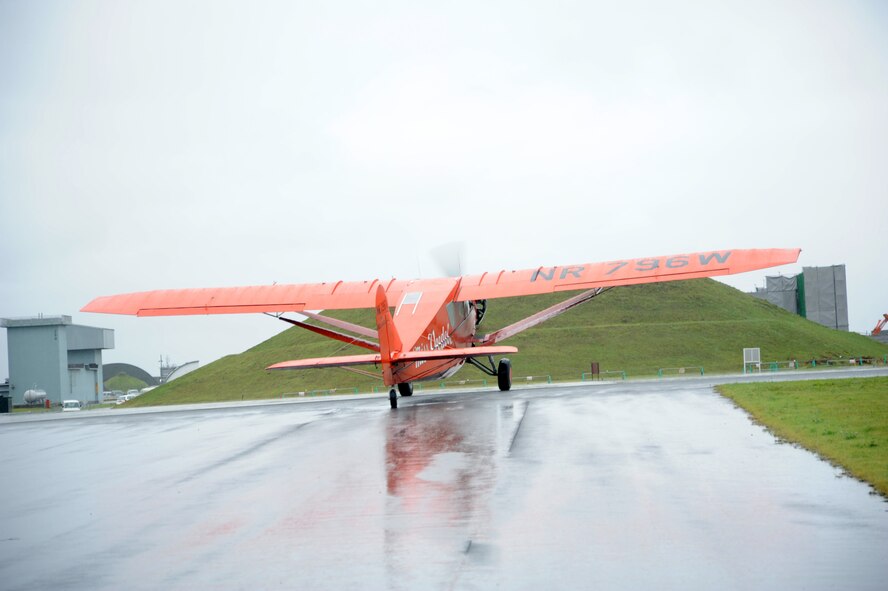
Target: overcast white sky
161	144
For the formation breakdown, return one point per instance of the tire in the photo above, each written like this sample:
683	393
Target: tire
406	389
393	398
504	375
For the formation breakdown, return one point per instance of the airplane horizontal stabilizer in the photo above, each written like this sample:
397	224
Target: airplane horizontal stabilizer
407	357
342	361
455	353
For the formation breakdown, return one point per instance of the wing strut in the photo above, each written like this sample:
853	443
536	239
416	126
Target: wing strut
356	328
541	316
332	334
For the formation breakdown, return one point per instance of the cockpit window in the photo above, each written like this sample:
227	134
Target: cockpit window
410	298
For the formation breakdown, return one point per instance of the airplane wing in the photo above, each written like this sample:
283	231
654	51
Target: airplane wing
409	357
242	300
622	272
361	294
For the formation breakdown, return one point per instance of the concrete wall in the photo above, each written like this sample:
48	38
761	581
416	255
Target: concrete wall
38	358
89	337
85	375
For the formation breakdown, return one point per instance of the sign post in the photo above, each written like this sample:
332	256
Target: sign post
752	357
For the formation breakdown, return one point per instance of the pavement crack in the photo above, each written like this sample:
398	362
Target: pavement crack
243	453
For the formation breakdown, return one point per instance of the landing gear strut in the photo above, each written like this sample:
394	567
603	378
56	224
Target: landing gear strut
501	371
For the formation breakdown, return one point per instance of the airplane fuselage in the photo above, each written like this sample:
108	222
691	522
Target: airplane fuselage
452	326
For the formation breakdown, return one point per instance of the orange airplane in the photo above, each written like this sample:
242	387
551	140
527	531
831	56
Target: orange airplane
426	328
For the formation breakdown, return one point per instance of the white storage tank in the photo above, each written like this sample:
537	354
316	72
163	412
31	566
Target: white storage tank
34	395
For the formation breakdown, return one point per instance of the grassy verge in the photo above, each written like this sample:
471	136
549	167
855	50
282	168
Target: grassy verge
843	421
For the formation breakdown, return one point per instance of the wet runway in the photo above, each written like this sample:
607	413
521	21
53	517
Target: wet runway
612	486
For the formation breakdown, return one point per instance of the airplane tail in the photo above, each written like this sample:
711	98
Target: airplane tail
389	340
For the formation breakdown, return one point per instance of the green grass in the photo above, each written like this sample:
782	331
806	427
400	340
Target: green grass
844	421
27	409
636	329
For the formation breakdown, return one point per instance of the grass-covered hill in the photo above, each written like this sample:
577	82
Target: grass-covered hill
637	329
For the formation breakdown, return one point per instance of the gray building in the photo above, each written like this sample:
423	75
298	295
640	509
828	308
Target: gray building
781	291
825	296
817	293
52	354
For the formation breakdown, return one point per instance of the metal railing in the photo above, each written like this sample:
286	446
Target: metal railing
778	365
546	377
451	383
591	376
845	361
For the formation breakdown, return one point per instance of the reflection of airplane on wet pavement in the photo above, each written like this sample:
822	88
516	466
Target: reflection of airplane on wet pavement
443	464
432	331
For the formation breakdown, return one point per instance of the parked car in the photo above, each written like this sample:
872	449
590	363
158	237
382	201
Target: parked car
70	405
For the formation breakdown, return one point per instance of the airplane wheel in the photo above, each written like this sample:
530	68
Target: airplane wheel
393	398
406	389
504	375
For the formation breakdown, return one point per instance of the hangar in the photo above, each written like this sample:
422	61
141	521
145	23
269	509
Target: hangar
168	371
51	353
115	369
